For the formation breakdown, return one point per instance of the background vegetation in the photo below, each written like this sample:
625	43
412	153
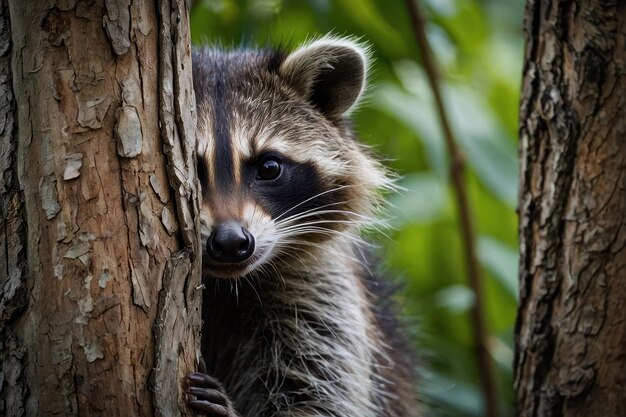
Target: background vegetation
478	45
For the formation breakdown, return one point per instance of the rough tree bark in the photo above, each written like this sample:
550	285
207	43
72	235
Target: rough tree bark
571	329
99	308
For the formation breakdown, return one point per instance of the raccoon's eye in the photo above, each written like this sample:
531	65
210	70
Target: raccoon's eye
269	169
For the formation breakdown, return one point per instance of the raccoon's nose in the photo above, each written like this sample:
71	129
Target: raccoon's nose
230	242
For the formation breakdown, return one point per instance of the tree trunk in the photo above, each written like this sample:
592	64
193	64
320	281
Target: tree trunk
99	307
571	329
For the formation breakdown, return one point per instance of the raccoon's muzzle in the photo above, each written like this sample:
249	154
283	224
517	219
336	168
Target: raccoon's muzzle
230	242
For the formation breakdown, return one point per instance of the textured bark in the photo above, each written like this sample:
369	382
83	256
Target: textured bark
571	329
12	239
99	308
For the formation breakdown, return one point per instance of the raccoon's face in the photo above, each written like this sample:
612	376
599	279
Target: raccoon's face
280	170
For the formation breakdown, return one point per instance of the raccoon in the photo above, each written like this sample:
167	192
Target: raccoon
295	322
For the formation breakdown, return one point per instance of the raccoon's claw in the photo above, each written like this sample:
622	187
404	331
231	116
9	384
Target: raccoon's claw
208	396
204	381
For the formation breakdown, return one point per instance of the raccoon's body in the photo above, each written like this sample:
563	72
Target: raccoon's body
295	324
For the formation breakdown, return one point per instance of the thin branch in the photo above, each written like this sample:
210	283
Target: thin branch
457	166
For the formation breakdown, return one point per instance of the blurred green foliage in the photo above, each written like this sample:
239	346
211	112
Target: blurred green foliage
478	45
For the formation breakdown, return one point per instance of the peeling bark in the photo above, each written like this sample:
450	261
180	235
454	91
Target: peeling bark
99	307
571	332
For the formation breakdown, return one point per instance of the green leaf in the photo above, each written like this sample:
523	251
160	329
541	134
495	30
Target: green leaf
417	116
422	201
447	393
456	298
501	261
489	152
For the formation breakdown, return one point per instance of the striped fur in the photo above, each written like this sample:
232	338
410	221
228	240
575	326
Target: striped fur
298	329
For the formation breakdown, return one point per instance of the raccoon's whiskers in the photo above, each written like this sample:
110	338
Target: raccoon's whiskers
294	245
283	252
322	221
324	231
316	212
367	222
273	266
311	198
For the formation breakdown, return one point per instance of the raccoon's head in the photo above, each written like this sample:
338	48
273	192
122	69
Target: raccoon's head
280	169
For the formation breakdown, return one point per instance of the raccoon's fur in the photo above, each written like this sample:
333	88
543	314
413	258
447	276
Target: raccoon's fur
295	323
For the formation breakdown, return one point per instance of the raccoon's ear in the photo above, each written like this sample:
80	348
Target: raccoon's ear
329	72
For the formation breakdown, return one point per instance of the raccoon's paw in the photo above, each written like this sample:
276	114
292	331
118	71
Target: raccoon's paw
206	395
